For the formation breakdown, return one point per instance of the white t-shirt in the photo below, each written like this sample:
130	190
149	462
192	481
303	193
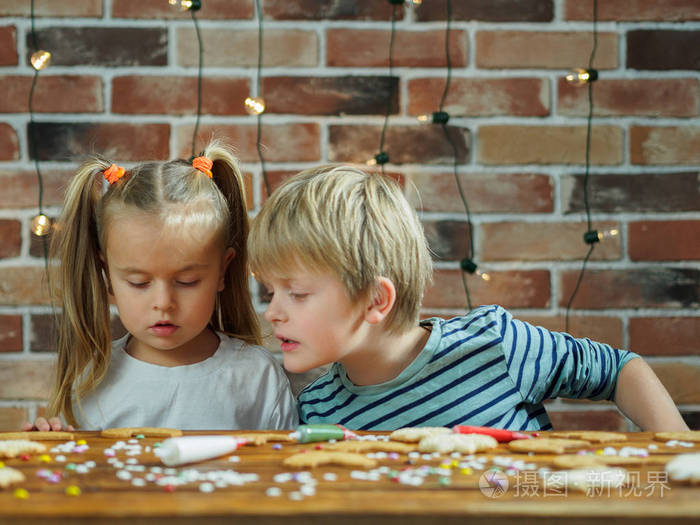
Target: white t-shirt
240	387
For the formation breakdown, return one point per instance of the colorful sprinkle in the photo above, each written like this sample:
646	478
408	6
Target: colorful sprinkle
21	493
73	490
45	458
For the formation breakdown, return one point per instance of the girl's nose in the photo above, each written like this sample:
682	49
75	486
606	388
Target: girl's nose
164	299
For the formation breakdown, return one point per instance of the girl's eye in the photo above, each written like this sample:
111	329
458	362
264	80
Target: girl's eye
266	297
188	283
138	285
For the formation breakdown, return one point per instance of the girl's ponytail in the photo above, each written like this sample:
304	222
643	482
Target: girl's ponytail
78	287
234	313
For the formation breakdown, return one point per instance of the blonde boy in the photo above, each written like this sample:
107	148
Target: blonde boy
345	262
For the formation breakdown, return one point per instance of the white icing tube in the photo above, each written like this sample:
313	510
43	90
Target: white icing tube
181	450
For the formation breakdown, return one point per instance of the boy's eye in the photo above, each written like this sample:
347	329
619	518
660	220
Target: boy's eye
298	296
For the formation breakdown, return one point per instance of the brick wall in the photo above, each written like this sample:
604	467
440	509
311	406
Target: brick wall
123	81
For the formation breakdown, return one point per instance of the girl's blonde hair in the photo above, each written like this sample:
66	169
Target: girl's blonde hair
175	193
354	225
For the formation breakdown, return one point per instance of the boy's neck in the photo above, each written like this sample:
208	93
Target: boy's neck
385	356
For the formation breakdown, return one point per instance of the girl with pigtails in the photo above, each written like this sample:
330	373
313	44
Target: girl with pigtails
166	243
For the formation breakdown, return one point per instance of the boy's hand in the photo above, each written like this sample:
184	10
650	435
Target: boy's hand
44	425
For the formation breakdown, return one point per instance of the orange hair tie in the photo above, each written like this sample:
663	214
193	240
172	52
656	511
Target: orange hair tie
114	173
203	164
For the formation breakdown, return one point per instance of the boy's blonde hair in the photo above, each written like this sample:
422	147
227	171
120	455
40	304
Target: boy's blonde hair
176	194
355	225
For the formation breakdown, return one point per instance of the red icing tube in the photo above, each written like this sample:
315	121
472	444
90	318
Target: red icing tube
500	435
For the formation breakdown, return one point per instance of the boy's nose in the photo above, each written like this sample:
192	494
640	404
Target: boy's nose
274	314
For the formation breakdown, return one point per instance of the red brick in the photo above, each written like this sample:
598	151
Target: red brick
280	142
9	144
681	380
544	241
23	285
544	49
330	10
51	8
663	49
488	10
52	94
404	144
633	288
510	144
10	333
603	329
178	95
42	336
26	379
344	95
632	192
665	335
72	46
480	97
370	48
239	48
665	145
634	10
511	289
120	141
211	9
274	179
8	46
607	420
653	97
10	238
20	189
11	418
485	192
664	241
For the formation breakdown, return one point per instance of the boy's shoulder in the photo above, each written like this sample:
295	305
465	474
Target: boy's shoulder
481	318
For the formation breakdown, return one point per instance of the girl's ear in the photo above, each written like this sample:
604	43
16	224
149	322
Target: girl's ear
381	301
228	256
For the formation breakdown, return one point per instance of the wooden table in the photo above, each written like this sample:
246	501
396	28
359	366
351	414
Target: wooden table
441	498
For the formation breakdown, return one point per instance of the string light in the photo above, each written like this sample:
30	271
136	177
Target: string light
41	225
382	158
40	59
470	267
581	77
255	105
438	117
591	237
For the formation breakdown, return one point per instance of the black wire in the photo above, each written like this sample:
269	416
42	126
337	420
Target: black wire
586	204
389	84
258	145
199	81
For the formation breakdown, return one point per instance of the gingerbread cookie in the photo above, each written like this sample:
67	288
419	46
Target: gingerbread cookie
415	434
370	446
129	432
594	436
685	467
11	448
546	445
574	461
464	443
322	457
38	435
8	476
689	435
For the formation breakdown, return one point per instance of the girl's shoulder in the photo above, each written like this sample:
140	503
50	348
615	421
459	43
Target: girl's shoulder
236	348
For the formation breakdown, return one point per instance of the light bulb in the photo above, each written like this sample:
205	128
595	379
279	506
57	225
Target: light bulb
415	2
380	158
594	236
579	77
438	117
40	60
187	5
255	105
41	225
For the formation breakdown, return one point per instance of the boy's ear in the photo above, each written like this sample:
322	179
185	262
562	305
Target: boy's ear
382	300
229	255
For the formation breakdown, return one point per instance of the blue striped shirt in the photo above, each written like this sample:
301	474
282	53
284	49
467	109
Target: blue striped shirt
485	368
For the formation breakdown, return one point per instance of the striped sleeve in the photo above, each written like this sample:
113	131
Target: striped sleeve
547	365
